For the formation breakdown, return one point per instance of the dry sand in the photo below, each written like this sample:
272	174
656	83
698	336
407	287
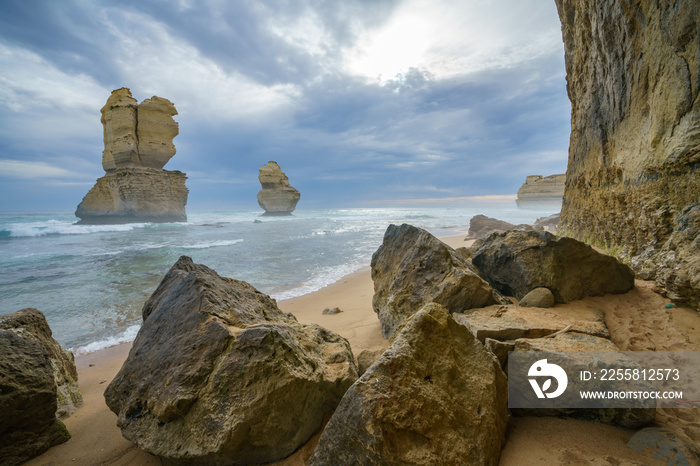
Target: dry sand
637	320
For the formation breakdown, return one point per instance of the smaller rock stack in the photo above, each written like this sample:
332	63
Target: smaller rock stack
277	197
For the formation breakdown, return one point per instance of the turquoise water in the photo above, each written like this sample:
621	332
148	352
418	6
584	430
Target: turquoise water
91	281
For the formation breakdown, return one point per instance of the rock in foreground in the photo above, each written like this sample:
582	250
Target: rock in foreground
436	396
413	268
277	196
138	140
219	375
38	384
516	262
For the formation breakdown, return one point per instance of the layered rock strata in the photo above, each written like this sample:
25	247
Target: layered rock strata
435	396
277	196
138	140
633	176
38	386
413	268
541	189
219	375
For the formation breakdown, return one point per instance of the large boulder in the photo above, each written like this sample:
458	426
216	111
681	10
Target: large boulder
277	196
436	396
481	226
38	384
516	262
633	78
219	375
413	268
138	142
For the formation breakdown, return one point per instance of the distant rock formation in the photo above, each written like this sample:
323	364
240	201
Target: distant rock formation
538	188
138	140
277	197
633	177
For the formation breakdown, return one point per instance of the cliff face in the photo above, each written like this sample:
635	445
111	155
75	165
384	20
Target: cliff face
541	189
138	142
633	177
277	196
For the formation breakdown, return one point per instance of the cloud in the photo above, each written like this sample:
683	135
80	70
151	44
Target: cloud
33	170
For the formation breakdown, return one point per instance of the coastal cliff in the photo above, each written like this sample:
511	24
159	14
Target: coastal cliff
633	177
138	141
277	196
539	188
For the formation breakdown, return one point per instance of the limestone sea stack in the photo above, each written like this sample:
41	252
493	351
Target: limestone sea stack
277	197
138	141
633	176
541	189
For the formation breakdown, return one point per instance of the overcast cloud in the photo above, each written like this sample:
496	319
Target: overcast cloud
360	102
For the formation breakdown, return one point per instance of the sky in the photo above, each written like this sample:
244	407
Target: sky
363	103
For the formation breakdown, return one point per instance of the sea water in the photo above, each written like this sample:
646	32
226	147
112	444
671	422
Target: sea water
91	281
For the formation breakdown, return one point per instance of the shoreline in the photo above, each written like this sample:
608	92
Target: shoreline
96	439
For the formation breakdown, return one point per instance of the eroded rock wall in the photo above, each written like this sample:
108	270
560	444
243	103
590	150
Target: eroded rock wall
633	177
539	188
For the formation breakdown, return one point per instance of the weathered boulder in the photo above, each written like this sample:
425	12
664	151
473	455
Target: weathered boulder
513	322
436	396
219	375
549	223
481	226
31	324
38	384
135	195
517	262
633	78
539	297
565	350
413	268
539	189
138	142
277	197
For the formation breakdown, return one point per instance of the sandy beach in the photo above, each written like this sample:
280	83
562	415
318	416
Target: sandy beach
637	320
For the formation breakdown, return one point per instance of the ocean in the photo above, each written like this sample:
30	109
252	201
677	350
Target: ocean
91	281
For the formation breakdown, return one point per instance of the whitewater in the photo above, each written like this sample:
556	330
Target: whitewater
91	280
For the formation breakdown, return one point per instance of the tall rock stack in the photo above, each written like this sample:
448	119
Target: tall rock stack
138	141
277	196
633	178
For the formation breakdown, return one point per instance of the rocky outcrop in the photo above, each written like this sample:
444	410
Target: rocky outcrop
481	226
219	375
539	189
277	197
413	268
633	177
135	195
436	396
138	140
38	385
516	262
